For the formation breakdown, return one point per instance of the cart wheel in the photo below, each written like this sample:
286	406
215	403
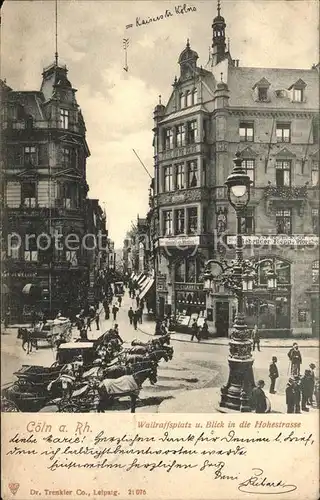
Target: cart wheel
69	407
8	406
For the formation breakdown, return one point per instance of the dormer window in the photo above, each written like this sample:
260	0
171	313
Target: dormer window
297	91
298	95
262	94
261	90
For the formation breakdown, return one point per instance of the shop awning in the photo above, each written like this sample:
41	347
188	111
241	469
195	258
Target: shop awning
146	288
31	290
4	289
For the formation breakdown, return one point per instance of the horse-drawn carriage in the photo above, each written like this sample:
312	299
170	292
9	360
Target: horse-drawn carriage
45	332
29	391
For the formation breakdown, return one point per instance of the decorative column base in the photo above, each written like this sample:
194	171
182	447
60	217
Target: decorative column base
236	394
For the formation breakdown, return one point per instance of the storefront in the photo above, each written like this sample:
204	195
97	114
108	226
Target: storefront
271	310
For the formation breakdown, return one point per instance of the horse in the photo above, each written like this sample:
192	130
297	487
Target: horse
127	385
26	335
165	339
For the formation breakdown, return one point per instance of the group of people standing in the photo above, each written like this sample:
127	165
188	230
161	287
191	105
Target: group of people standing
302	391
135	316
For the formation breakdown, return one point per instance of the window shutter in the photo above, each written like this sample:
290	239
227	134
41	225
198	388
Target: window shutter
13	194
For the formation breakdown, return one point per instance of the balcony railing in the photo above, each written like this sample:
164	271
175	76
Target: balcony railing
286	192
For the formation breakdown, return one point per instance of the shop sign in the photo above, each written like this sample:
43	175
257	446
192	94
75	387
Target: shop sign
18	274
179	241
161	283
189	287
276	240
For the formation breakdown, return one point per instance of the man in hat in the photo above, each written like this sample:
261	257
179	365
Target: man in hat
273	374
255	338
297	394
307	386
130	315
195	330
295	358
259	400
290	396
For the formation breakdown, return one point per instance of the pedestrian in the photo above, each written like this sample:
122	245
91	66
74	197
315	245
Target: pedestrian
33	319
7	318
306	385
84	334
140	315
295	358
148	306
163	328
106	308
130	315
297	394
195	330
313	377
273	374
204	330
259	400
135	319
137	300
317	392
119	300
255	338
115	310
97	319
290	396
142	304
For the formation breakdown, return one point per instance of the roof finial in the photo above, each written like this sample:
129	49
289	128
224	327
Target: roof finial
160	99
56	33
188	43
219	7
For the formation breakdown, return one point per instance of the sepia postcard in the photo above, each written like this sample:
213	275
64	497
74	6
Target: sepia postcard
159	249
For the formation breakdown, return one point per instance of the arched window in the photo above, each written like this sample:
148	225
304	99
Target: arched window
281	267
182	101
195	96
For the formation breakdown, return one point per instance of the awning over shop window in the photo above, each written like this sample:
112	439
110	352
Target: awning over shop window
32	290
146	288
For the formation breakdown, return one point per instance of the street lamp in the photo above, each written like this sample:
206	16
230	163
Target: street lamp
236	394
271	279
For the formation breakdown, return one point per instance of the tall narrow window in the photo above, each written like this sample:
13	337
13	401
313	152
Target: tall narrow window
167	222
195	96
284	221
204	219
180	180
192	132
28	194
315	173
180	135
168	134
247	221
315	272
298	95
262	93
182	100
204	172
283	173
31	250
30	155
179	221
190	270
246	131
13	251
167	177
283	132
66	157
64	118
189	98
180	271
192	220
249	167
315	220
193	174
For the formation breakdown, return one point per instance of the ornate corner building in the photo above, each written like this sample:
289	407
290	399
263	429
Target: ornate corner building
270	115
45	210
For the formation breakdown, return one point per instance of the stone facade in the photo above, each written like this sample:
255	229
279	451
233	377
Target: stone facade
271	116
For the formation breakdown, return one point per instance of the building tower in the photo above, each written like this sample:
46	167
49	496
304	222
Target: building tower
218	38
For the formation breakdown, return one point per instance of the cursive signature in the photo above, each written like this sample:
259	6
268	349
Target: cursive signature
258	483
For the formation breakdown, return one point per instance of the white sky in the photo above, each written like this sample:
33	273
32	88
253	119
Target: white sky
118	106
